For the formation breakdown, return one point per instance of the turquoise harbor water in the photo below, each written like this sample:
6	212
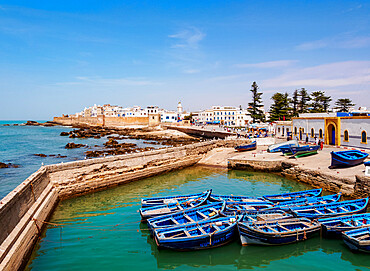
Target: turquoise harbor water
102	231
19	143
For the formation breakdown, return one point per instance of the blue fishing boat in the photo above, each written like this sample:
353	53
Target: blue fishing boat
286	205
358	240
347	158
232	198
278	147
346	207
247	147
277	232
201	235
191	215
180	205
301	151
334	226
154	201
367	164
245	207
293	195
265	215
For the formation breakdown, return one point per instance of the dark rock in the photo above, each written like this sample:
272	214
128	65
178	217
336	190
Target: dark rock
61	156
64	134
6	125
40	154
10	165
72	145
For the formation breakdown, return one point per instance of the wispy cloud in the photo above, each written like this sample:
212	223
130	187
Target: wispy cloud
343	42
112	82
191	71
188	38
269	64
353	8
333	75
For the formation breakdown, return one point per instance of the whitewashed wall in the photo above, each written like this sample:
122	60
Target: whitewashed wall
354	128
307	125
282	129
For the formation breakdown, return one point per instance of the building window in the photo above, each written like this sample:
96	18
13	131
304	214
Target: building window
295	130
278	130
363	137
320	133
312	132
346	136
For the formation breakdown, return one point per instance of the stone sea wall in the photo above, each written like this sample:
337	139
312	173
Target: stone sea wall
23	210
101	121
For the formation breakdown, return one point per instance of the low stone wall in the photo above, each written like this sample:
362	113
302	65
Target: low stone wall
112	122
23	211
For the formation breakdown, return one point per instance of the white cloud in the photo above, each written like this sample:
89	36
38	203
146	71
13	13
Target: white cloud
111	82
269	64
188	38
343	42
338	74
191	71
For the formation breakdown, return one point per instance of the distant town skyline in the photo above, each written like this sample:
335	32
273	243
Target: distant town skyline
58	57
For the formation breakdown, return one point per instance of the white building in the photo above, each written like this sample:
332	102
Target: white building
340	129
282	128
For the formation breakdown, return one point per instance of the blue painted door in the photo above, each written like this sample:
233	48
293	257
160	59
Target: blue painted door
333	135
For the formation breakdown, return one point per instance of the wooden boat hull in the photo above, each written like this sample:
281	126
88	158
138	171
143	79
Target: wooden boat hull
343	158
293	196
278	147
358	240
285	206
155	201
334	227
203	241
160	210
248	147
347	207
251	236
192	215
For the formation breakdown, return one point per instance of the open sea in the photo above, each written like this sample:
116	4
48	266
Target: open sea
18	144
102	231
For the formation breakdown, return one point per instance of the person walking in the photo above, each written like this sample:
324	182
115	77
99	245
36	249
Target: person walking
321	145
316	140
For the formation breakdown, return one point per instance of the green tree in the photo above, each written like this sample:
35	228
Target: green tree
254	106
326	102
320	102
294	103
304	98
280	109
343	105
316	104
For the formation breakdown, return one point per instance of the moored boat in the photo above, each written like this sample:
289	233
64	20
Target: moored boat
285	205
334	226
201	235
247	147
154	201
293	195
346	207
277	232
358	239
245	207
232	198
164	209
301	151
278	147
347	158
265	215
209	211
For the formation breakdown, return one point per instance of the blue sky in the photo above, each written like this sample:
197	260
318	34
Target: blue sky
59	56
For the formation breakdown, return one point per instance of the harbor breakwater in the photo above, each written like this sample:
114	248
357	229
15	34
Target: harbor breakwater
23	211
